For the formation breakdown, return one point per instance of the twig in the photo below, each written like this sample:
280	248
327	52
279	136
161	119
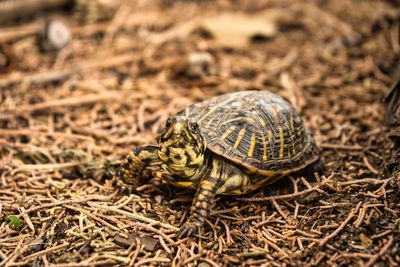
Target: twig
67	102
340	146
209	261
381	234
27	220
341	227
381	253
299	243
12	33
44	252
139	247
18	8
120	16
360	217
276	248
76	67
28	132
364	181
165	247
280	211
58	203
293	195
369	166
94	217
192	258
295	93
228	234
329	18
296	210
126	202
53	166
231	211
135	216
152	260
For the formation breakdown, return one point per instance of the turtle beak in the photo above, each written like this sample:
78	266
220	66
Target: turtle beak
178	133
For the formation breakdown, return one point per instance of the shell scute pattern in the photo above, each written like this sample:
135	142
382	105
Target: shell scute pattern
258	130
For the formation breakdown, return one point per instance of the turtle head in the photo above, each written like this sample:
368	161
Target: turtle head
182	147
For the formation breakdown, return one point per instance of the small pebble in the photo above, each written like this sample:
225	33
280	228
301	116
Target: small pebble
198	65
55	36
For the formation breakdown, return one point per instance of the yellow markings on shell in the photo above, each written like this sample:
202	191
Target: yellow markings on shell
239	137
262	122
292	134
270	140
220	105
282	140
252	145
265	153
263	141
228	132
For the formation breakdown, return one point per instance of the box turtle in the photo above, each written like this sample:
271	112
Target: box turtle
230	144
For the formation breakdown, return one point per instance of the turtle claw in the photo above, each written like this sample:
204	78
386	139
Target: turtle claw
124	187
126	183
125	190
188	229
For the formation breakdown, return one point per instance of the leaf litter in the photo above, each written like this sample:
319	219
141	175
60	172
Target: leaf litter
236	29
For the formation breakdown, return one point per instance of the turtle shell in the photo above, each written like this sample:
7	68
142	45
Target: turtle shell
255	129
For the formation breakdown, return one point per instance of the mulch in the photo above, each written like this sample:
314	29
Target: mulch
69	117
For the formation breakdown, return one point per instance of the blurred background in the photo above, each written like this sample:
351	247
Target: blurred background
83	82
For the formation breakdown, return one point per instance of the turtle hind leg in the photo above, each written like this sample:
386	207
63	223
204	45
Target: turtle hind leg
317	167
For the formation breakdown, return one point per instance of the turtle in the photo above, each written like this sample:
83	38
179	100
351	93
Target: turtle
230	144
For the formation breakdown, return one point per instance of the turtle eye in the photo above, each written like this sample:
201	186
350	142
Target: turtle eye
194	128
168	122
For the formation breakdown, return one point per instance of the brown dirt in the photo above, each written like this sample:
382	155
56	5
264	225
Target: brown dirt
67	119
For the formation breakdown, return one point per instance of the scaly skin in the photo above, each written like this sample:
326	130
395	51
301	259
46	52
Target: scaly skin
223	178
130	174
183	161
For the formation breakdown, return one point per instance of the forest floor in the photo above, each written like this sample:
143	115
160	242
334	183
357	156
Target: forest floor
69	117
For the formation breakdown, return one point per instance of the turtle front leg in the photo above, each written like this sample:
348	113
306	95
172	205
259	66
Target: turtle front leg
201	206
130	174
224	178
